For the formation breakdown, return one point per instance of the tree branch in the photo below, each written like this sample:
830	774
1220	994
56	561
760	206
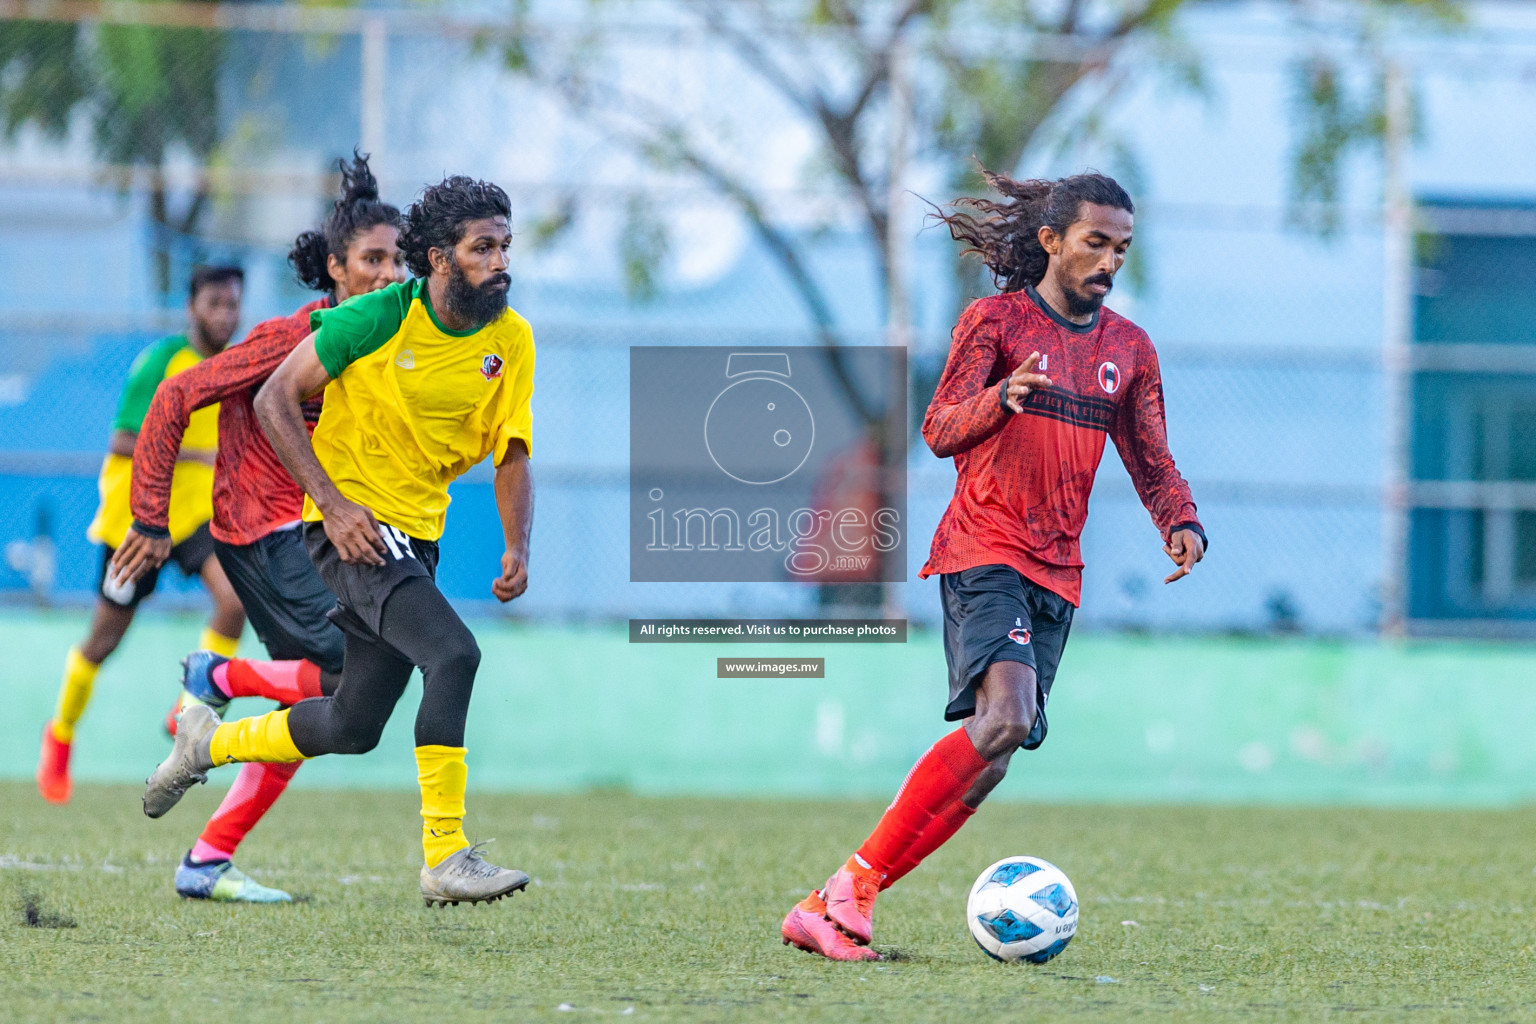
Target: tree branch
754	56
670	138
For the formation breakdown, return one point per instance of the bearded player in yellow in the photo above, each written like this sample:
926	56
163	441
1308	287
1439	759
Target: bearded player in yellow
213	312
426	379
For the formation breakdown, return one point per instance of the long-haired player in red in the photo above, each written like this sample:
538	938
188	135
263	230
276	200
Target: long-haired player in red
256	510
1038	377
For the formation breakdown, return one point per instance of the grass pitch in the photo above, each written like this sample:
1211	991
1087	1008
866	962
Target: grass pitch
666	910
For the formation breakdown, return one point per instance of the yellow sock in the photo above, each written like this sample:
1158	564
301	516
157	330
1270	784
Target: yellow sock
262	738
74	694
442	775
212	640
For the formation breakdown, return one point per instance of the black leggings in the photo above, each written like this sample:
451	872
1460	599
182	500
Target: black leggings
419	623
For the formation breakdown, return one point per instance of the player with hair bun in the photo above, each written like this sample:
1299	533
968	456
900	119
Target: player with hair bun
256	511
1038	377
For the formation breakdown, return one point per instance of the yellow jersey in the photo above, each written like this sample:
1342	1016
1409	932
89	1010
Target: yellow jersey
412	405
192	482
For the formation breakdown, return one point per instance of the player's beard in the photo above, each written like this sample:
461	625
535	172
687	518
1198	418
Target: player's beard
216	338
476	306
1086	303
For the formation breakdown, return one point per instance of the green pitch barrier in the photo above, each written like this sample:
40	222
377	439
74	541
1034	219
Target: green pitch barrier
1132	719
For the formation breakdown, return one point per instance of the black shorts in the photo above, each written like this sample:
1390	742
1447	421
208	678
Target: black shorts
361	590
994	613
284	598
189	557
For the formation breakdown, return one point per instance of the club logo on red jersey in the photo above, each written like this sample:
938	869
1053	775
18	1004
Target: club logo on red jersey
1019	635
1109	377
490	367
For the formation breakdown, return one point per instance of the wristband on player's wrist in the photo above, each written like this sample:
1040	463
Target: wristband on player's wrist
1193	528
152	532
1002	396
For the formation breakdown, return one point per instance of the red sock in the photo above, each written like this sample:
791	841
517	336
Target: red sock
940	777
944	825
286	682
256	789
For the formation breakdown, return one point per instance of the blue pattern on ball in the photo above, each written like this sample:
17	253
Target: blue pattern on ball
1006	926
1048	952
1055	899
1008	874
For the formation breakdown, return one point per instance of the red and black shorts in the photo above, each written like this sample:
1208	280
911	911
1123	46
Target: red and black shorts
994	613
284	598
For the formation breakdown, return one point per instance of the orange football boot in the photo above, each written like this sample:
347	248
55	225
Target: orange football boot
53	779
850	896
806	927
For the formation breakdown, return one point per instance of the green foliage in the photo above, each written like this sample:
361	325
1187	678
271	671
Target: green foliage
43	76
644	244
157	87
544	229
514	55
1338	101
145	88
996	100
979	103
1334	120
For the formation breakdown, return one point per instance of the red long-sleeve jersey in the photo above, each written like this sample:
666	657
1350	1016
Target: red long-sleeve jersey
252	493
1022	484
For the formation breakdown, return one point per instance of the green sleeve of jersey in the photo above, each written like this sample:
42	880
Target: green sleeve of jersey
146	373
346	333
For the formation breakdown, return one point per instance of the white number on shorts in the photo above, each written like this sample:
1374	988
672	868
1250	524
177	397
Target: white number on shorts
398	543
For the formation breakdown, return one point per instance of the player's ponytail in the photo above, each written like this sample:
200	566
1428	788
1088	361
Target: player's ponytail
358	209
358	184
1006	235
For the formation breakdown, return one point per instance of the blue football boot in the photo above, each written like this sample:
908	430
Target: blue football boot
197	681
220	880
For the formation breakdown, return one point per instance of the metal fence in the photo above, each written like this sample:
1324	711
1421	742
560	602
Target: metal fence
1296	535
204	131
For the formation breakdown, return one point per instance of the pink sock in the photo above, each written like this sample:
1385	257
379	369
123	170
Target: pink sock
220	677
256	789
286	682
202	853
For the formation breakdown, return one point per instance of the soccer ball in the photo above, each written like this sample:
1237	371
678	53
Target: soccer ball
1022	908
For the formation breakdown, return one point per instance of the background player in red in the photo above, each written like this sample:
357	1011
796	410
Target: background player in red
256	507
1037	377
